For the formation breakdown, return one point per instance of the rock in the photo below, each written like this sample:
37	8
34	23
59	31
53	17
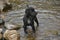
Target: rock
11	35
12	26
0	33
7	7
51	33
0	30
1	5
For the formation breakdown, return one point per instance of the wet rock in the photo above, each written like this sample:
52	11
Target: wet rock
11	35
12	26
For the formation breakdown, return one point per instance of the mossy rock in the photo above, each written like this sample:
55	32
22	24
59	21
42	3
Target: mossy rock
53	32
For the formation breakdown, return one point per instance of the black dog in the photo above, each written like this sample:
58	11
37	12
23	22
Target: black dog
30	14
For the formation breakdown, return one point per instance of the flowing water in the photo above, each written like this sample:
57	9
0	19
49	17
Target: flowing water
48	17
